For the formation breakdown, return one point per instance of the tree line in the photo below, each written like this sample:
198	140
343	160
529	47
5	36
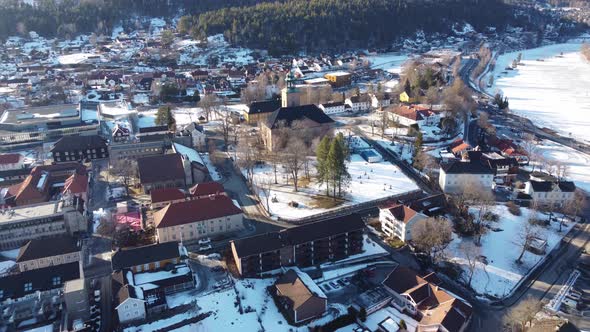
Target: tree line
285	27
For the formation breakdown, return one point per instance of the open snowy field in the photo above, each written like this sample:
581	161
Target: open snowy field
369	181
501	249
259	311
391	62
554	92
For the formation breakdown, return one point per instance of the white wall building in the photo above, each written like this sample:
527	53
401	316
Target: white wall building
131	309
398	220
455	176
358	104
556	193
333	108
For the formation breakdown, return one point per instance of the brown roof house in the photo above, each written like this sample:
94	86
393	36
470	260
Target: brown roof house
422	298
300	299
199	218
398	219
163	171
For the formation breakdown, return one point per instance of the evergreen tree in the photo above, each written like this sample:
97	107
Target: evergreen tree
164	117
336	161
418	143
323	169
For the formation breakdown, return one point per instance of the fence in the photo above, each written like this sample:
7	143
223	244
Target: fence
414	194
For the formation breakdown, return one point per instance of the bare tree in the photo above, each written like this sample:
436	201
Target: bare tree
522	315
577	204
294	159
528	233
480	202
125	170
274	159
425	162
471	253
432	236
264	186
208	103
246	153
384	121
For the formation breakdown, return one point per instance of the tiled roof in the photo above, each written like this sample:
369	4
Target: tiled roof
466	167
292	287
207	188
266	106
402	213
166	195
182	213
76	184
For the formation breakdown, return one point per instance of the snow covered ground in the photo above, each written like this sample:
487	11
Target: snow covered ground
391	62
554	92
259	311
369	181
74	58
501	249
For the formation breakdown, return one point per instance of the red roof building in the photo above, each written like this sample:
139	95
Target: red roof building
161	197
206	189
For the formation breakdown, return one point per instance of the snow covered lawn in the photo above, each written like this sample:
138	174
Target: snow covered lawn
259	311
552	92
369	181
578	163
501	249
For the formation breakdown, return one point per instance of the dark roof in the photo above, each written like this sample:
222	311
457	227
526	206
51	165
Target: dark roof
402	279
547	186
47	247
69	143
318	230
13	286
266	106
129	257
287	115
429	205
166	195
333	104
195	210
153	129
206	189
466	167
167	167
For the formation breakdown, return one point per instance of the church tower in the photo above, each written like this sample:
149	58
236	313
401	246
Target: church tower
291	95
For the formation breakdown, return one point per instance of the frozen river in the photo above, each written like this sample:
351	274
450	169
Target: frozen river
551	87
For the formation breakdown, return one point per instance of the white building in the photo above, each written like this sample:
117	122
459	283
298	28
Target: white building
199	218
457	175
131	305
398	220
556	193
358	103
333	108
384	101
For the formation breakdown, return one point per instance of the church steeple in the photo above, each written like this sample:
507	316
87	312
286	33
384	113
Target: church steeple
290	95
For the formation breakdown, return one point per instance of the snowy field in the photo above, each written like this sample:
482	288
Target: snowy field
501	249
369	181
259	311
74	58
391	62
554	92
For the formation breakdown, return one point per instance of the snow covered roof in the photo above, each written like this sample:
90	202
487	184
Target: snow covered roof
189	153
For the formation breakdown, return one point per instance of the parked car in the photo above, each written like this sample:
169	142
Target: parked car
205	247
204	241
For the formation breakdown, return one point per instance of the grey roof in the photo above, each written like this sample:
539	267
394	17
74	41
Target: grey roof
466	167
314	231
69	143
47	247
547	186
129	257
266	106
13	286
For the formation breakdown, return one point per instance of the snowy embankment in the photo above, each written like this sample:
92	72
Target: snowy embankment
578	163
547	87
497	273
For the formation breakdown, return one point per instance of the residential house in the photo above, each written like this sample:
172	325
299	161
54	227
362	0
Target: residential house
199	138
199	218
431	307
163	171
550	191
161	197
333	107
77	185
380	101
120	133
456	175
305	117
259	111
359	103
300	298
508	148
505	168
48	251
398	219
11	161
148	258
302	246
415	115
79	148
